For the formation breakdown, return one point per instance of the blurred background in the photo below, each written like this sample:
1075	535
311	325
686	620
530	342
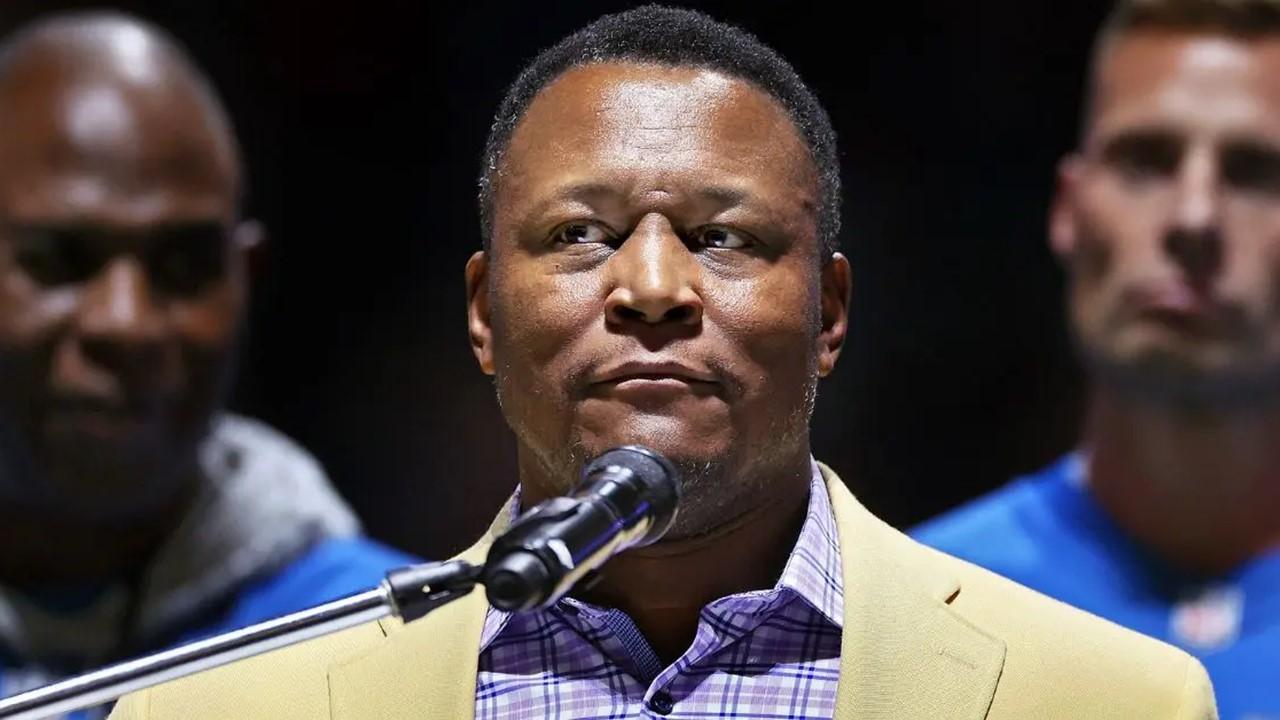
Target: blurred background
363	124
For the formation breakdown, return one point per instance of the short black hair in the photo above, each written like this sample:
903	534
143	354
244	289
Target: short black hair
680	38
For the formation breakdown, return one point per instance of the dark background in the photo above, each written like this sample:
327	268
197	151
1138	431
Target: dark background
363	123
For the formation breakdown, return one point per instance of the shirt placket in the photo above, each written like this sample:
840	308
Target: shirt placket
721	624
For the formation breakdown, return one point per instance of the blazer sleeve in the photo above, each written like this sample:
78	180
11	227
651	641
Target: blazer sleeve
134	706
1197	694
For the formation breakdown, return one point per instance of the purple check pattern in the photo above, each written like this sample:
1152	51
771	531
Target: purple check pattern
763	655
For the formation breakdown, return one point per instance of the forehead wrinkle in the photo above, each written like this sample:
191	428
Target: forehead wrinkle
661	93
650	110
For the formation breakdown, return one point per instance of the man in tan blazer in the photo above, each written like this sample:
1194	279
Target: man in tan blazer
660	201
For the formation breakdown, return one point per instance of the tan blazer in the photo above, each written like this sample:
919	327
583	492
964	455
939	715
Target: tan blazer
925	636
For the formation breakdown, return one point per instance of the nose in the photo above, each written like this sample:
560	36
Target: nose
655	279
118	322
1194	235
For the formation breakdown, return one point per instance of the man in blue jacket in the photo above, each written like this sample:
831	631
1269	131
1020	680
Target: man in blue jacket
1168	221
134	514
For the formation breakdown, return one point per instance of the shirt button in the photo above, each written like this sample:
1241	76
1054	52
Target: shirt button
661	703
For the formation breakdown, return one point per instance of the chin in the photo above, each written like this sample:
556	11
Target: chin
683	451
700	437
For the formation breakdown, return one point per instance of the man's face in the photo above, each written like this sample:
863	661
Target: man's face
1169	219
120	289
655	277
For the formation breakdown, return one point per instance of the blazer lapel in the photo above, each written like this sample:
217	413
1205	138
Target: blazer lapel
905	654
424	669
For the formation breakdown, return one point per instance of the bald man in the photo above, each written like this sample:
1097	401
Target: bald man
134	514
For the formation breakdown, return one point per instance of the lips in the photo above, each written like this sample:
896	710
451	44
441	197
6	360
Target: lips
1167	298
1178	306
658	372
653	383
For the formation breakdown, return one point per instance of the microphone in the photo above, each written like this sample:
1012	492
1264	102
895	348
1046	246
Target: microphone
627	498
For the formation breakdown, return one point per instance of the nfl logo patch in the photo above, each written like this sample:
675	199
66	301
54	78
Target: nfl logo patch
1210	620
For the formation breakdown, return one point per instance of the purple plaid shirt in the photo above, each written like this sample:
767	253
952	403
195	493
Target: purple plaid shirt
760	655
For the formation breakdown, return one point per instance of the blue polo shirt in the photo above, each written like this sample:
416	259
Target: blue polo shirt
1046	532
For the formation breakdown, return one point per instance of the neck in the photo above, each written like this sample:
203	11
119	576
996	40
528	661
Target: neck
1201	489
663	587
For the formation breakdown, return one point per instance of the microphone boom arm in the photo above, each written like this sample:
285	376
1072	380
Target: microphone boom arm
407	593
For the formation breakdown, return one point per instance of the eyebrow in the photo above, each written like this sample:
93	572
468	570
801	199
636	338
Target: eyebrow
722	196
580	192
185	231
1134	138
1171	141
1261	148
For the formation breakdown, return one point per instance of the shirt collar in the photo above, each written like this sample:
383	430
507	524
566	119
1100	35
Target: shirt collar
813	571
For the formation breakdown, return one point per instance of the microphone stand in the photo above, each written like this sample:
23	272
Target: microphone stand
407	593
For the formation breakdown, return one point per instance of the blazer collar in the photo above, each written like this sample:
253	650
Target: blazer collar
904	652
